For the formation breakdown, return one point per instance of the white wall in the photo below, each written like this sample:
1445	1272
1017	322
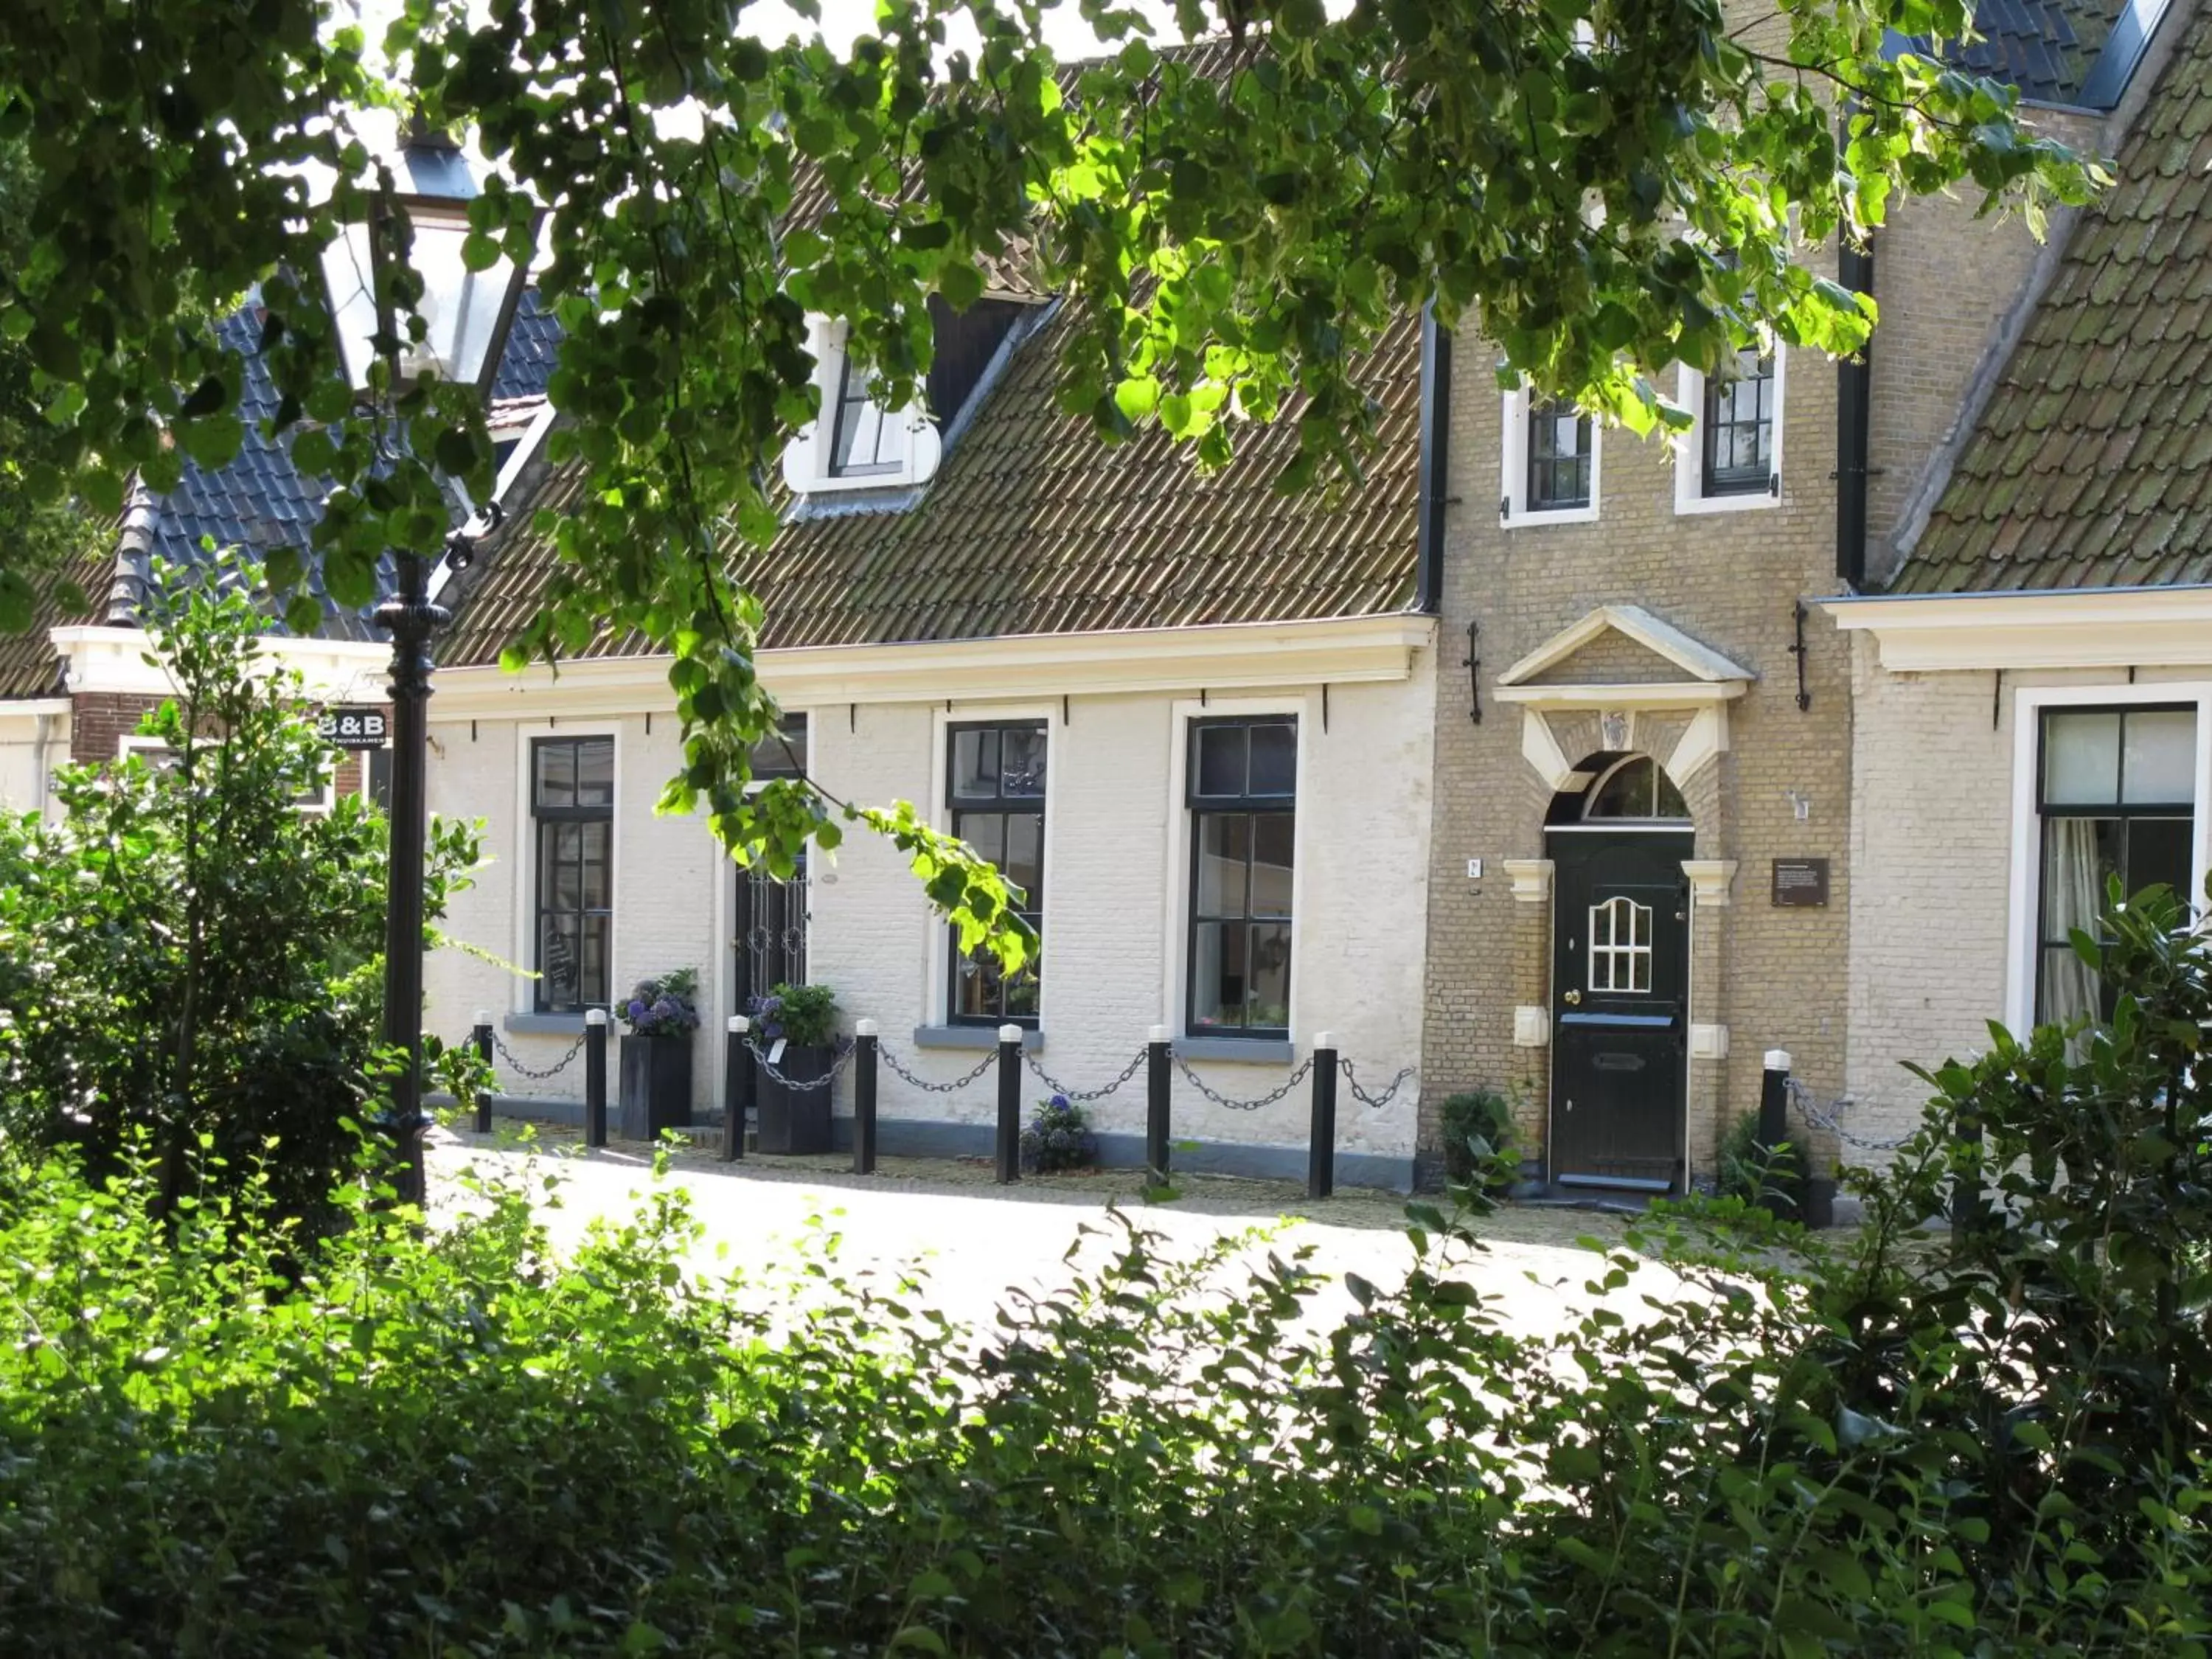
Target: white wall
31	747
1115	863
664	884
1934	845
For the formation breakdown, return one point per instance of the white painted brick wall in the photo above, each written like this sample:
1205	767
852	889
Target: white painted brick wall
1114	856
1932	848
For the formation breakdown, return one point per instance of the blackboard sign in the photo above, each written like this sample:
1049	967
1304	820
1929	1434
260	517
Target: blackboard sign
1801	882
348	727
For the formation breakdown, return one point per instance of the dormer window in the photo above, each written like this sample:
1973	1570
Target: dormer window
866	444
857	444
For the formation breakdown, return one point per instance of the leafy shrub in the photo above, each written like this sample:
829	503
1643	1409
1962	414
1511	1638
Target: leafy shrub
1057	1137
805	1016
665	1006
1480	1140
187	954
1757	1173
1903	1441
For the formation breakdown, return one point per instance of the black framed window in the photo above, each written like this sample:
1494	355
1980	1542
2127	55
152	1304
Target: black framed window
782	755
1559	456
2116	790
995	788
1243	795
571	801
865	439
1739	420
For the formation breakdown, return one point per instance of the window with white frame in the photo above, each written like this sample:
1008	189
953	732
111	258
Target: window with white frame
856	443
1549	466
1731	456
772	913
2116	794
1620	946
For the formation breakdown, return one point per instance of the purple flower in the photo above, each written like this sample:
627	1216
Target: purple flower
637	1010
1060	1101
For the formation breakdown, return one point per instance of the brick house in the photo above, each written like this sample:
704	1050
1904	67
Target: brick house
74	686
1647	854
1188	714
2034	680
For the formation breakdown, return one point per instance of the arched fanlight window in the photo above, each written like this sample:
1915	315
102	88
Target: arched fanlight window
1635	788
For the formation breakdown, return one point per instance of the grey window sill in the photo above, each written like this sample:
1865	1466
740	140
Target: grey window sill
545	1024
1258	1051
971	1037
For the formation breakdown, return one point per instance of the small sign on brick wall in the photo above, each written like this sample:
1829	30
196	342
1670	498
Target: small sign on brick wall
350	728
1801	882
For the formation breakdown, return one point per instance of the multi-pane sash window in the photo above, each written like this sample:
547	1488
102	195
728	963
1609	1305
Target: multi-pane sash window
2117	789
1739	426
865	439
1558	456
1243	793
573	805
996	791
782	755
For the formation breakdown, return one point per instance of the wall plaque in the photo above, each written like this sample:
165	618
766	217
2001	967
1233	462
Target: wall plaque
1801	882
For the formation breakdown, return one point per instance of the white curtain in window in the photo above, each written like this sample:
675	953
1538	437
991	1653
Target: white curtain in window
2074	898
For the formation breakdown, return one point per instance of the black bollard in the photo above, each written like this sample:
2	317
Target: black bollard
864	1096
595	1077
1321	1144
481	1038
737	1063
1158	1076
1009	1104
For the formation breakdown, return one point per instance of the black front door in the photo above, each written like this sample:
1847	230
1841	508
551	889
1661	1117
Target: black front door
770	937
1620	1008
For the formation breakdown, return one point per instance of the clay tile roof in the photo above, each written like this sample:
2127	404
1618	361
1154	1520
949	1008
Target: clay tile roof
1034	525
2091	452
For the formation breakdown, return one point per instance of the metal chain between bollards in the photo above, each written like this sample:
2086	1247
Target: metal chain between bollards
520	1070
883	1053
844	1059
1079	1096
1377	1101
1802	1097
1219	1099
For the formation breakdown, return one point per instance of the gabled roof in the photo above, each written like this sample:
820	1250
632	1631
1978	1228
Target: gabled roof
2091	464
1034	525
259	501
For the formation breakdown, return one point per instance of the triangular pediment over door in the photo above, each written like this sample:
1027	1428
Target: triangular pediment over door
1621	680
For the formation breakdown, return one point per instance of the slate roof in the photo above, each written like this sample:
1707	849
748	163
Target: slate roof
1034	525
2091	464
260	501
2044	47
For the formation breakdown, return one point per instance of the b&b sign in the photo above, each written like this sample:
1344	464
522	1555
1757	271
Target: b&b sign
346	728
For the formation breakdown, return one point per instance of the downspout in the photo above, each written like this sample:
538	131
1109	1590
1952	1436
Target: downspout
1854	386
1435	448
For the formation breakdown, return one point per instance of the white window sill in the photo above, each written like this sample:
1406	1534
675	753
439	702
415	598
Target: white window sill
1522	521
1748	500
832	485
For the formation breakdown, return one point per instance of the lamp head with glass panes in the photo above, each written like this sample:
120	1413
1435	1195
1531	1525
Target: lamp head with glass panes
423	219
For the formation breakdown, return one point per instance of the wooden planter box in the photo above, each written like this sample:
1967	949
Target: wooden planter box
794	1120
656	1086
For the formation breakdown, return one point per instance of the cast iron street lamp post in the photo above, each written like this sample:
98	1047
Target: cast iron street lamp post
468	315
